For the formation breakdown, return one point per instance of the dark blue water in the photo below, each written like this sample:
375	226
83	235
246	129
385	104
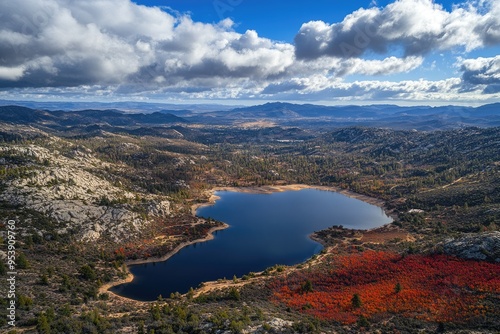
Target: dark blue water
265	229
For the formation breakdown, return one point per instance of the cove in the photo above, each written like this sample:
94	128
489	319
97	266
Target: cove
265	229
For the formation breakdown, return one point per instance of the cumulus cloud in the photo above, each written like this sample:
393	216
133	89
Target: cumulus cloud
116	48
11	73
199	50
71	43
338	67
65	43
482	72
59	46
414	27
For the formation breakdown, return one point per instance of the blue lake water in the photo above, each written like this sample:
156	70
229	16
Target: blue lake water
265	229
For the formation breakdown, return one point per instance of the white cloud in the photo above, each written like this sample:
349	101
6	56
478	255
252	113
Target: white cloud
481	70
63	43
58	49
117	41
322	89
388	65
312	88
481	73
415	26
11	73
118	48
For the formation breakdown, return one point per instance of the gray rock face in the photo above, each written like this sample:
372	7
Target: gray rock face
159	208
481	246
69	192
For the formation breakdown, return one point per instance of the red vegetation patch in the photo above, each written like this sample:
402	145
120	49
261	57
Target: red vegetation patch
432	288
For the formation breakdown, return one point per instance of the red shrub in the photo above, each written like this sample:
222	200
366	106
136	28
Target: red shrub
433	288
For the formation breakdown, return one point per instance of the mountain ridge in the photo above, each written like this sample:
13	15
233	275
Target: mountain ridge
24	115
423	118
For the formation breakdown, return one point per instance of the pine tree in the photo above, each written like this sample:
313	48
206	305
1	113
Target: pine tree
22	261
363	322
234	294
356	301
307	286
43	324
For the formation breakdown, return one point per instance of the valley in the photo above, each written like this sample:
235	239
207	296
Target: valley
93	191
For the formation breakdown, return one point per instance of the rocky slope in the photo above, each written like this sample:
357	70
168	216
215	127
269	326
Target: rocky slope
65	188
481	246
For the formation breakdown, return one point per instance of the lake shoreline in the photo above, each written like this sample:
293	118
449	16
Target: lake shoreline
290	187
212	198
130	277
174	251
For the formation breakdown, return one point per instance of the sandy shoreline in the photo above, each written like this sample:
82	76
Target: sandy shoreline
130	276
253	190
107	286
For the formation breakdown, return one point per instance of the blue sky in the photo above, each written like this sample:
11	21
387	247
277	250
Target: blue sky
249	51
275	19
278	20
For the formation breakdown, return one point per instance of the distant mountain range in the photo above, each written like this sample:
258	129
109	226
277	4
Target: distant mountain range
278	114
388	116
51	118
145	107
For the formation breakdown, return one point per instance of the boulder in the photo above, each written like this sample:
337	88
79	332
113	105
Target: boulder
480	246
159	208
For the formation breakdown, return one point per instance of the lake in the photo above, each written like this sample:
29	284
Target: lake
265	229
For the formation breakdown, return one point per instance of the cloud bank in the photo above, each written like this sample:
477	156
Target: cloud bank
116	48
416	27
60	43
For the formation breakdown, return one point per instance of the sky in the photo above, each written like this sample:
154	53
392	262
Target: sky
251	51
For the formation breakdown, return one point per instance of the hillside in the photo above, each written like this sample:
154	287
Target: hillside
91	193
56	118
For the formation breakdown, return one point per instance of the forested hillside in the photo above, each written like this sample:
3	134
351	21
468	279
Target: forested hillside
89	198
